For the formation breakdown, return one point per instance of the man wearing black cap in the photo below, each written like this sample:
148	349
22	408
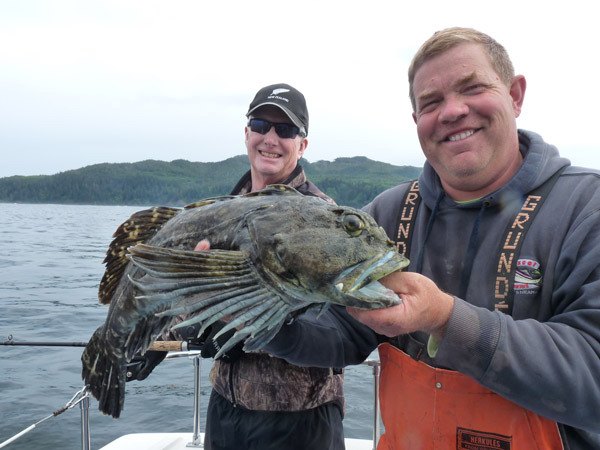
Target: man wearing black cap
275	138
259	401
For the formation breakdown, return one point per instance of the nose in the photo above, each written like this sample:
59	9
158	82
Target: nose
453	109
271	137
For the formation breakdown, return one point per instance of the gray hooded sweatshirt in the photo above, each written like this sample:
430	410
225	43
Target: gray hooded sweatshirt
545	356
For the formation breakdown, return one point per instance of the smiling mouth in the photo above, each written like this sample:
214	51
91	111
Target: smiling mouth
269	154
460	136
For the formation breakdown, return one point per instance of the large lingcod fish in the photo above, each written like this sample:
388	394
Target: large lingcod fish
273	253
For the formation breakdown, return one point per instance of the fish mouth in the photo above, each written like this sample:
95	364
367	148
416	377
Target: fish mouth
360	282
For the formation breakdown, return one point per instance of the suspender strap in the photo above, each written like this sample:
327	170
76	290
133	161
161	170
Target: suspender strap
407	217
510	247
406	222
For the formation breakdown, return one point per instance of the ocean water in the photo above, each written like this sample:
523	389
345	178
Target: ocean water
50	266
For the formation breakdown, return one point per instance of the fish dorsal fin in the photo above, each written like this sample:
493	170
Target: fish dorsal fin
208	201
140	227
274	189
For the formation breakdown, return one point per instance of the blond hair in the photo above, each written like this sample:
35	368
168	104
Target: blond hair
444	40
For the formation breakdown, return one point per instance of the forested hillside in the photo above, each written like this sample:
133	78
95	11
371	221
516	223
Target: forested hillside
350	181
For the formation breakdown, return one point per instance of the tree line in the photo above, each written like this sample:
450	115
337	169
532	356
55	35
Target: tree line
349	181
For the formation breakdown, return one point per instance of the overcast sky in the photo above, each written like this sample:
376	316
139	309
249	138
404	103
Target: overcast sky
86	82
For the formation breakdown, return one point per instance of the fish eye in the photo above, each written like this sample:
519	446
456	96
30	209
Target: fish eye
353	224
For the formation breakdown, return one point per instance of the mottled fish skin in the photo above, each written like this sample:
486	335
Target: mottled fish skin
273	253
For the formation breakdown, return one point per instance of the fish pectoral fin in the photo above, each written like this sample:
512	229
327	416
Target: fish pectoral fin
182	280
261	332
140	227
323	308
167	263
210	286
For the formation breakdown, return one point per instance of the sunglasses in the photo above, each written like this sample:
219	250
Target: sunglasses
283	130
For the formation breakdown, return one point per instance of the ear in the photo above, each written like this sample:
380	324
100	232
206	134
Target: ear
517	93
302	148
246	132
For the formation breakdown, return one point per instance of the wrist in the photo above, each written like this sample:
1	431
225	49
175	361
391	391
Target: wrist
444	312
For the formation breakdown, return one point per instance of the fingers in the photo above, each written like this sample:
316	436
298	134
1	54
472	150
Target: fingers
203	245
424	307
386	321
393	281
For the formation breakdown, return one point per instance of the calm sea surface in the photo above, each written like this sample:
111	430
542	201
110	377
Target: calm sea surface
50	266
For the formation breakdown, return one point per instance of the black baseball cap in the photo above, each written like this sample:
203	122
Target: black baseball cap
287	98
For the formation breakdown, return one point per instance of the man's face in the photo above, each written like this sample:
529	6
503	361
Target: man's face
272	158
465	118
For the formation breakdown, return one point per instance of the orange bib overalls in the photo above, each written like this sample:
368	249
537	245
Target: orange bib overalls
424	408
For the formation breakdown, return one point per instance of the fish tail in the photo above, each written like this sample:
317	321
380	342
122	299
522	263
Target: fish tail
104	375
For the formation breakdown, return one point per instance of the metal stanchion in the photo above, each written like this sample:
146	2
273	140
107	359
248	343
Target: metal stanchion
196	438
84	405
376	428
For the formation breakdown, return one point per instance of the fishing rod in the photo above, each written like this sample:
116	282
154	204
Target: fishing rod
161	346
11	341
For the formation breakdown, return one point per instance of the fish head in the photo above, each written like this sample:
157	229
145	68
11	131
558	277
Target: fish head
325	253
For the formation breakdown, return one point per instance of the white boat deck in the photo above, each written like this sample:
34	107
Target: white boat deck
180	441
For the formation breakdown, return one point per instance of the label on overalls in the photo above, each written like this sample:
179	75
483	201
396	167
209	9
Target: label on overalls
477	440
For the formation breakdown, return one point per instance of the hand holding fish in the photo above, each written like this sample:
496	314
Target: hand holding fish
424	307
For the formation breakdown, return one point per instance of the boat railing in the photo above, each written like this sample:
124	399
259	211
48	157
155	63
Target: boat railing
86	438
196	437
82	398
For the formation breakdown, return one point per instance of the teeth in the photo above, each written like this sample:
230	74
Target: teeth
269	155
461	136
